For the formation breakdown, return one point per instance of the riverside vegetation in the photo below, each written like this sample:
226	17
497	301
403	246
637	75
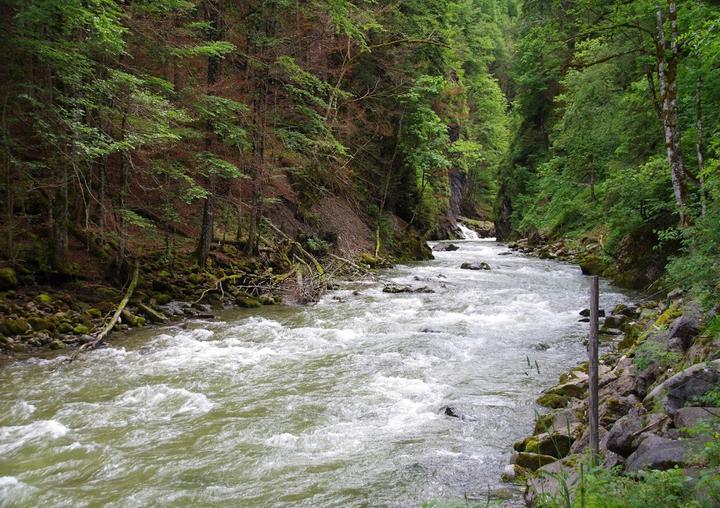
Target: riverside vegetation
190	155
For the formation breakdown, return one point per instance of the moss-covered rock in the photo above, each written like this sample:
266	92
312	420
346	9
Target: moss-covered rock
44	298
8	279
247	301
40	323
94	313
80	329
552	400
591	264
57	345
532	461
14	326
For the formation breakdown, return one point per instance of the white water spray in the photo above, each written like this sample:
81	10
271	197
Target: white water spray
468	234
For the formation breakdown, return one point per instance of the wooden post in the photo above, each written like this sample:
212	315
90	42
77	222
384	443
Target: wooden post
593	366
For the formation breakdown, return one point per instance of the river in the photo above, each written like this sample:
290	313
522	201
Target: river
338	404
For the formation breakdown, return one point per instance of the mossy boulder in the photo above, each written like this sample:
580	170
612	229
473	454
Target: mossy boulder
14	326
94	313
40	323
44	298
162	298
81	329
591	264
247	301
552	400
532	461
8	279
57	345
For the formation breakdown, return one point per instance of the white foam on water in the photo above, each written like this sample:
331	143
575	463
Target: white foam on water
17	436
161	402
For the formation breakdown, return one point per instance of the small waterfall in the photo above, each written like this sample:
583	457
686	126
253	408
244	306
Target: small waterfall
468	234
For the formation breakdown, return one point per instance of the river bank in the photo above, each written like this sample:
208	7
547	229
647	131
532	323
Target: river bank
659	404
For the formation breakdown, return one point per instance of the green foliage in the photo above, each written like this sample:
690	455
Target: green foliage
654	353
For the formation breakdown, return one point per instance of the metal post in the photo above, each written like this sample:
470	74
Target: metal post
593	365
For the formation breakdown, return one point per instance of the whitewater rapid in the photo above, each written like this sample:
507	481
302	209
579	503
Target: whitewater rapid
339	404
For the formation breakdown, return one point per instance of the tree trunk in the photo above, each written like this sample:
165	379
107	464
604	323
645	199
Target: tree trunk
213	15
59	224
698	143
667	76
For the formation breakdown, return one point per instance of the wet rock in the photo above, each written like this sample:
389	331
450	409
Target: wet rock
586	313
540	346
658	453
551	480
475	266
623	435
689	416
531	461
446	247
452	412
674	393
395	289
8	279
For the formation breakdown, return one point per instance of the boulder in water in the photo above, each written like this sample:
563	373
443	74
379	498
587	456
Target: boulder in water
396	288
475	266
446	247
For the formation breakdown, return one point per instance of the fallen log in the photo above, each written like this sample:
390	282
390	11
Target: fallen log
113	321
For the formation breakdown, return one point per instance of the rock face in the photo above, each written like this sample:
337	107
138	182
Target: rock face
658	453
475	266
673	393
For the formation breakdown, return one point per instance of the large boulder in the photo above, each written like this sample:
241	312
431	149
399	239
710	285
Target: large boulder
658	453
683	330
623	435
675	392
690	416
